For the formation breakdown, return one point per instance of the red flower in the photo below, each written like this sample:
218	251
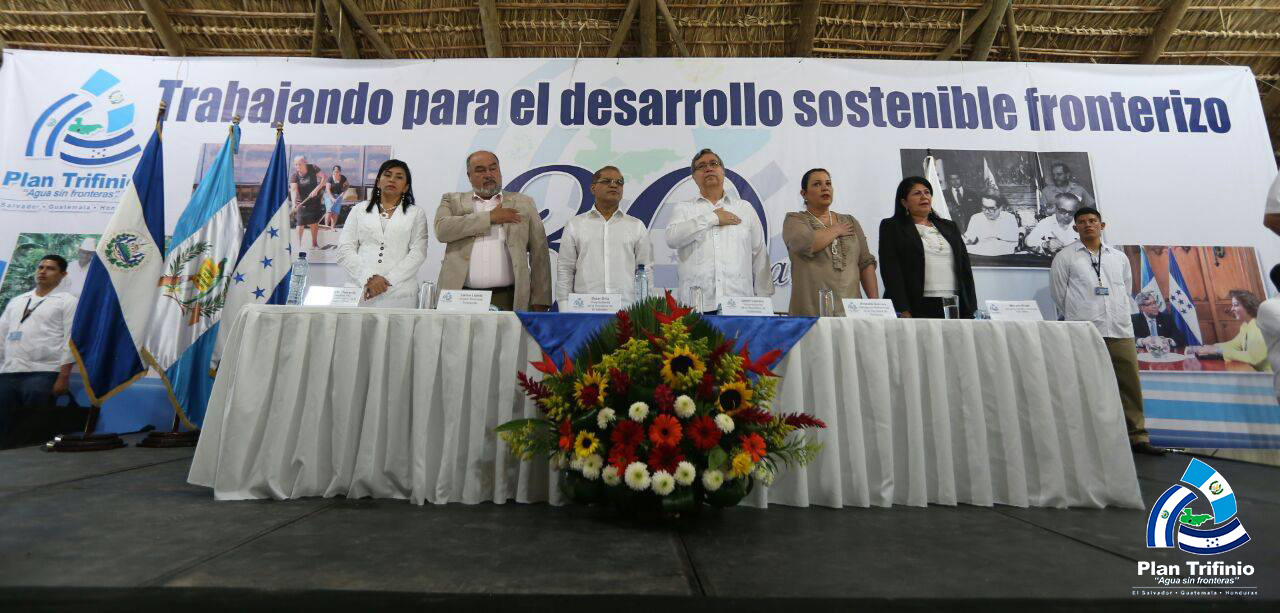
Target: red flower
664	398
619	382
704	433
625	331
706	389
621	457
547	366
753	444
665	457
665	430
535	389
800	420
751	416
626	434
760	366
566	435
674	310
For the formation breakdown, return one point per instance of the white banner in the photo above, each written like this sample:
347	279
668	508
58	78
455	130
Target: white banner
1170	154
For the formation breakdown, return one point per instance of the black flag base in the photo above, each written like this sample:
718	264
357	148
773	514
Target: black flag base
79	441
163	440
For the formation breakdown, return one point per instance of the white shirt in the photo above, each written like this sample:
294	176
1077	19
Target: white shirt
490	260
393	247
1273	196
939	263
722	260
38	344
1269	322
600	257
996	236
1074	281
1048	228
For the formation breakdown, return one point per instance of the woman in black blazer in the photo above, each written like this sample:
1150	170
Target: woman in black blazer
913	282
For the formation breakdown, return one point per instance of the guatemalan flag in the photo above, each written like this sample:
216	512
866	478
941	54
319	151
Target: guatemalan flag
261	274
1227	535
1184	311
1148	283
110	328
193	287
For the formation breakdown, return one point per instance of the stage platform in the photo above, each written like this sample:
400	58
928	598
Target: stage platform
122	530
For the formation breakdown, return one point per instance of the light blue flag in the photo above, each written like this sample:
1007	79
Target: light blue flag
111	322
193	287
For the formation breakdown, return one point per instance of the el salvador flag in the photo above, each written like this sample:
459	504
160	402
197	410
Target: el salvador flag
261	275
1184	311
193	287
1214	487
109	331
1162	523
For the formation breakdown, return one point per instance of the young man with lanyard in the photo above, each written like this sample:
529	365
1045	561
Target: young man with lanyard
35	359
1092	282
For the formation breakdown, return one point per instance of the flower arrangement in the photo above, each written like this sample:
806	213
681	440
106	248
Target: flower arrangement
657	409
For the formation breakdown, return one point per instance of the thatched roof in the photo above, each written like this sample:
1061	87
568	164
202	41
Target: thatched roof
1236	32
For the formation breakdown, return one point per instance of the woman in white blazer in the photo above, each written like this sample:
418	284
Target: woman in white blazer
384	241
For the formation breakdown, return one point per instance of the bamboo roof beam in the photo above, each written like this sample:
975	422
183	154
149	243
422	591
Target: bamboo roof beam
317	24
624	26
1011	31
987	35
490	22
164	27
807	29
648	28
341	29
372	34
671	27
970	26
1169	21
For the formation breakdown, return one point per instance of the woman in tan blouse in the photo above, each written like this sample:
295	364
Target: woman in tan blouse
828	250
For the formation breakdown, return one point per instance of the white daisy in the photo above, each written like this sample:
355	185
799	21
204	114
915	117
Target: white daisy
712	480
637	476
725	423
575	463
663	483
610	475
605	417
591	472
593	461
685	473
638	411
685	407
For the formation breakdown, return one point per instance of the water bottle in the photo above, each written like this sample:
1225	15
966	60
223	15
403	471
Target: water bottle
642	284
298	279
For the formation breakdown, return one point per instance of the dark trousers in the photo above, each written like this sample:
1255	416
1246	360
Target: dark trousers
502	298
23	391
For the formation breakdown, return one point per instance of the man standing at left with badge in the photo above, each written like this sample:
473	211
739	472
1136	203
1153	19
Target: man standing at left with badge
1091	282
35	358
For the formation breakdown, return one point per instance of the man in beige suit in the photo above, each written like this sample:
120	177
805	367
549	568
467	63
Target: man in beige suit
494	240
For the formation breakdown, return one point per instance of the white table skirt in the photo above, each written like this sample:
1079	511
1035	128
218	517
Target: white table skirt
402	404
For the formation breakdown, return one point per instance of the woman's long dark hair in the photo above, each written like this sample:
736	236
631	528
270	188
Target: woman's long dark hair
904	188
406	201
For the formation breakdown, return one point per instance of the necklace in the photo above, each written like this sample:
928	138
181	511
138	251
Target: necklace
834	247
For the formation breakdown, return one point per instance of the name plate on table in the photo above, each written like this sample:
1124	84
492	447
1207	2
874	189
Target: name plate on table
321	295
1014	310
592	303
746	305
868	308
464	300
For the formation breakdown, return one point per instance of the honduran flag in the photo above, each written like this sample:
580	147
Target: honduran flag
111	321
193	287
261	274
1162	523
1184	310
1214	487
1212	542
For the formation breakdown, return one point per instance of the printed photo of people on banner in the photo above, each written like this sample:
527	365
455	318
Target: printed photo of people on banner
1014	208
325	181
1196	308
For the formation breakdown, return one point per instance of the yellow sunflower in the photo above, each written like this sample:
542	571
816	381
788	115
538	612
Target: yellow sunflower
681	368
590	389
735	396
587	443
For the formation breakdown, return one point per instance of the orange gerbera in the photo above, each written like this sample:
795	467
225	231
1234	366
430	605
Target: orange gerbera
566	435
665	430
753	445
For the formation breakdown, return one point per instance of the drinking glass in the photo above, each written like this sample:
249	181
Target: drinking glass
950	308
427	295
826	303
695	298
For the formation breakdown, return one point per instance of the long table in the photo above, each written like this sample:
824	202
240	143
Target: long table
402	404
